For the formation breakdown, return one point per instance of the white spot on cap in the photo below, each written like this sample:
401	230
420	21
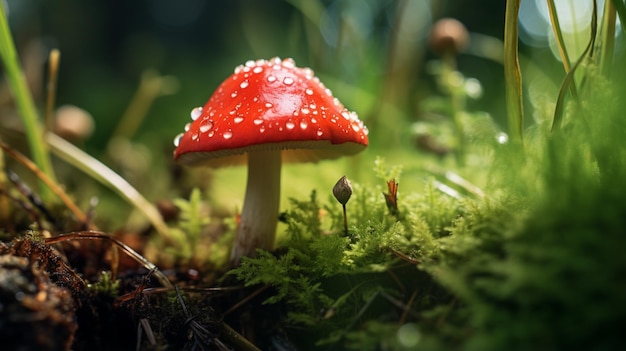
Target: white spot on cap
288	81
308	73
268	105
271	79
244	84
195	113
228	134
308	91
289	63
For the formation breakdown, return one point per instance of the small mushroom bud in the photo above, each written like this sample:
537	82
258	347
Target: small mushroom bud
73	123
342	190
448	36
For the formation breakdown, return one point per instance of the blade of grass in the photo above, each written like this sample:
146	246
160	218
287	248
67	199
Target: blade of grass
24	100
569	78
103	174
558	34
56	189
512	74
620	6
607	34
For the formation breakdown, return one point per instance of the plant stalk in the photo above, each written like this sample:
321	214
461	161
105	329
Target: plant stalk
512	74
24	101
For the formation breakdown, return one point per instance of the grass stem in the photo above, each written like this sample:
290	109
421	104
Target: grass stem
24	101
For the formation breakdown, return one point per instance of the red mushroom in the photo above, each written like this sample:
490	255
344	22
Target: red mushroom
267	112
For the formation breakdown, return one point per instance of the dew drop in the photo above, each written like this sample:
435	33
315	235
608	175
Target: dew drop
227	135
313	120
290	125
206	125
271	79
262	129
194	136
195	113
303	124
355	127
288	81
257	121
336	102
312	106
305	111
328	92
257	69
319	132
238	119
211	133
249	63
187	126
233	95
244	84
346	115
268	105
238	69
309	91
177	139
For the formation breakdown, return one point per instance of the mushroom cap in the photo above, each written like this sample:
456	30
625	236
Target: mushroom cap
270	105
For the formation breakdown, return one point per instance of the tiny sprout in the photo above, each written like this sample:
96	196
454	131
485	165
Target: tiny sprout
342	191
391	198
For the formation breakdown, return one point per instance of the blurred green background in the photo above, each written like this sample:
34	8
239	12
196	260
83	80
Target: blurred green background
373	54
368	52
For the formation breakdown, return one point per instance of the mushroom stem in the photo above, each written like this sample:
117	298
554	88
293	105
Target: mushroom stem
259	217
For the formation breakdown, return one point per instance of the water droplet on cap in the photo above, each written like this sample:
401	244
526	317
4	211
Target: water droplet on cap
206	125
227	135
244	84
271	79
177	139
288	81
309	91
238	119
195	113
